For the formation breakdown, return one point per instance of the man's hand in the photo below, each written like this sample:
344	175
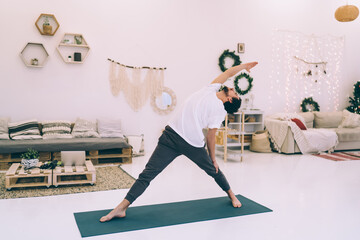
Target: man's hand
216	165
250	65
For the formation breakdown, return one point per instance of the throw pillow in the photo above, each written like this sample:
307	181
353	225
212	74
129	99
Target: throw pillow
4	131
28	129
299	123
350	120
109	128
56	129
327	119
84	129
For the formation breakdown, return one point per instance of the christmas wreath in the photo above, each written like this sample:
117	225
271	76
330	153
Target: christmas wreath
228	54
309	101
236	83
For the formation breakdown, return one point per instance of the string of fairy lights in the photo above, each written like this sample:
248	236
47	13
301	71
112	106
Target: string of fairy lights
305	66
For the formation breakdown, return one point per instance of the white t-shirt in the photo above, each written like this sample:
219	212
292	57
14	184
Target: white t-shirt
201	110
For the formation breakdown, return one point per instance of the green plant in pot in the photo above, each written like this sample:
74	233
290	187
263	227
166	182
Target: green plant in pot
47	28
30	158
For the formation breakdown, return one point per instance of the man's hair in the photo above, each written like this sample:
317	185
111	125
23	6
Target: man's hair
233	106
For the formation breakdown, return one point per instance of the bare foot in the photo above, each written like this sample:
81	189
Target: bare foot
235	202
115	213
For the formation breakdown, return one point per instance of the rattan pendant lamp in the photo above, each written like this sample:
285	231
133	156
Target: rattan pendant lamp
346	13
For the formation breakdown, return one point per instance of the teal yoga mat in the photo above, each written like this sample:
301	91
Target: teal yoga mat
160	215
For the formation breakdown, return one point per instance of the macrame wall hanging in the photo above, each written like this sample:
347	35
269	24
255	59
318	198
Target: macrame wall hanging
136	91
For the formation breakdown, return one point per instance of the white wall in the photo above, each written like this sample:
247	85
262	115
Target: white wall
186	36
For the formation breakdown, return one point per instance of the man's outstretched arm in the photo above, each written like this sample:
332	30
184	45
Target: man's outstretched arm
234	70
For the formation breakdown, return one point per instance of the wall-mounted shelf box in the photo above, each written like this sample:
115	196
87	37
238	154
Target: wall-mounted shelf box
44	28
71	44
34	55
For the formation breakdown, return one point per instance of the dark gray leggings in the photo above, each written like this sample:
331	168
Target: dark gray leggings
170	146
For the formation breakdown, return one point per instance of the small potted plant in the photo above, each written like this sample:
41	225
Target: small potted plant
30	159
34	61
47	28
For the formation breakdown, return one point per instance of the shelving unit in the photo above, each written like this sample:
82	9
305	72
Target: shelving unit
49	29
73	43
32	52
236	135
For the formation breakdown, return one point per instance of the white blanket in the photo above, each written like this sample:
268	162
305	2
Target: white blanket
309	141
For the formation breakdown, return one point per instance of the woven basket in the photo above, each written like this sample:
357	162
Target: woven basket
260	142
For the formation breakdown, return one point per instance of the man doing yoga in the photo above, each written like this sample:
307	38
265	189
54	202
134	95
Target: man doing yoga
183	136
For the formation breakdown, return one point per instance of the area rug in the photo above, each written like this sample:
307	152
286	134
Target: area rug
167	214
107	178
340	156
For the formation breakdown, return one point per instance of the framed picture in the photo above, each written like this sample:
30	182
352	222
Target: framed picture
241	47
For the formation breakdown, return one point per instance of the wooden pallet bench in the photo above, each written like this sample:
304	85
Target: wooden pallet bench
7	159
120	155
69	175
17	177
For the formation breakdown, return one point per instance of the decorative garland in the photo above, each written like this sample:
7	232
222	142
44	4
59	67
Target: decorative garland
309	101
236	83
228	54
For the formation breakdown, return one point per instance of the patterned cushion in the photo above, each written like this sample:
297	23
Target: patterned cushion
56	129
28	129
4	132
84	129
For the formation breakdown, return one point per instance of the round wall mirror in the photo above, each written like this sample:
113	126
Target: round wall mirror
165	102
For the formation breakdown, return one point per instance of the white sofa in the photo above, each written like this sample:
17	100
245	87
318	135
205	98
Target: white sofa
349	138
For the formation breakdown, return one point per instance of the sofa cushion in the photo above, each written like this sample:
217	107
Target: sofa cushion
309	118
327	119
28	129
56	129
4	131
350	120
299	123
84	129
348	134
109	128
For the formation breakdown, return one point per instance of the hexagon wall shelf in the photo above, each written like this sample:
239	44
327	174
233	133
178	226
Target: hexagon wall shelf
47	24
34	55
73	48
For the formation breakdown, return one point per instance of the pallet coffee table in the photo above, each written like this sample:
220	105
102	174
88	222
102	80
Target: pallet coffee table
17	176
69	175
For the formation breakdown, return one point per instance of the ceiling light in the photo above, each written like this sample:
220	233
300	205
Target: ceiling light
346	13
